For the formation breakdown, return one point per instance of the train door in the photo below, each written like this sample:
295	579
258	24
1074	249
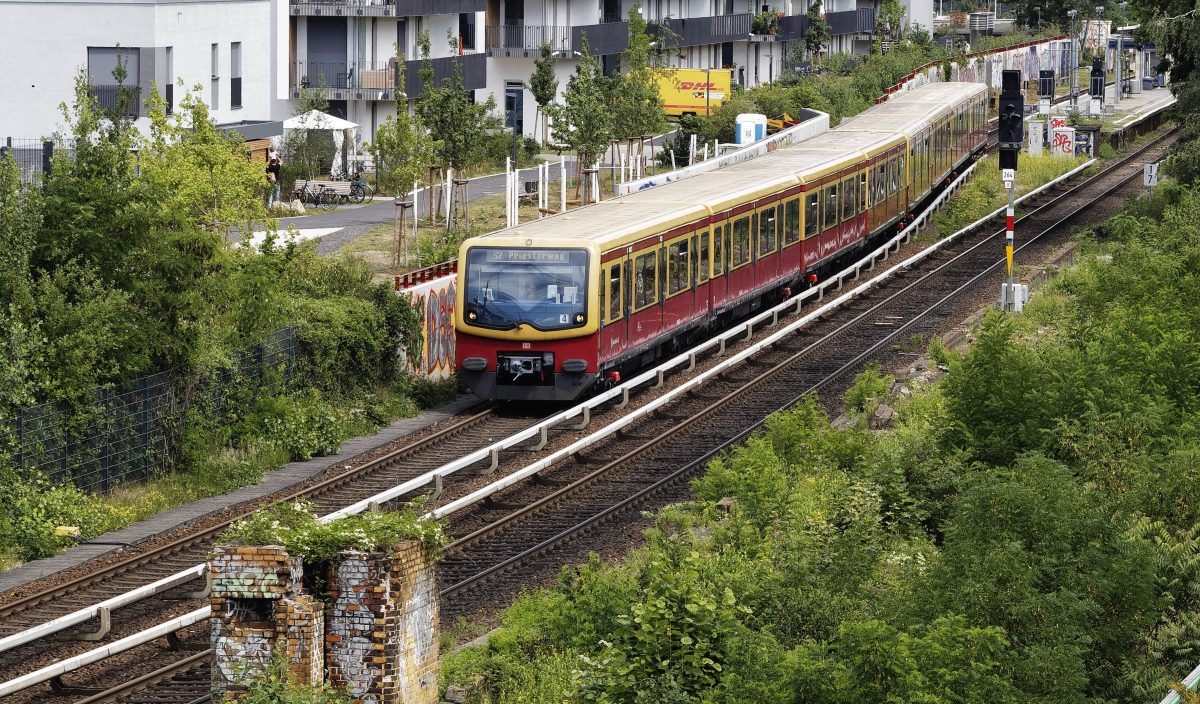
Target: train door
767	267
830	212
791	258
740	276
645	317
719	284
613	305
848	190
702	271
679	296
811	241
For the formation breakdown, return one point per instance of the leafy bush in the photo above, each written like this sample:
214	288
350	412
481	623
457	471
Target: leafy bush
31	511
868	390
304	425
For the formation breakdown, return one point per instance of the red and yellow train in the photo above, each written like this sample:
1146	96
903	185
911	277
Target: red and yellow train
555	308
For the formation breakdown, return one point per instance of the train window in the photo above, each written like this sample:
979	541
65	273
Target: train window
881	183
645	279
812	215
862	192
900	169
766	231
791	223
849	198
893	186
720	243
678	267
704	261
614	292
831	205
741	242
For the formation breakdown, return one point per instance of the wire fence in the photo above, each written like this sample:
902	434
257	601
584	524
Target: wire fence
31	155
130	434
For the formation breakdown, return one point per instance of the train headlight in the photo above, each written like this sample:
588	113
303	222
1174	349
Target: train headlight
579	318
472	316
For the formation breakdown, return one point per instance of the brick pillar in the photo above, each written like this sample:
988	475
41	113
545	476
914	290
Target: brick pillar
414	588
258	606
381	637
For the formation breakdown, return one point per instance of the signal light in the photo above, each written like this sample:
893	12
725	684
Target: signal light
1011	121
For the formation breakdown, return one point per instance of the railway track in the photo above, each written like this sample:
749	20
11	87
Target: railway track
649	464
334	490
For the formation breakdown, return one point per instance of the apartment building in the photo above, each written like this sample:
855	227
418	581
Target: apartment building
252	58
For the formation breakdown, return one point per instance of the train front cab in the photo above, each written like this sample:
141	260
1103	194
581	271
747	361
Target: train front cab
527	318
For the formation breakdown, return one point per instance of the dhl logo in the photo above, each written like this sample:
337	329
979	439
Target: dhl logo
694	85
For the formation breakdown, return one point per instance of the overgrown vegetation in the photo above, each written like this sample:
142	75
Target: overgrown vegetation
293	526
120	266
1029	531
985	192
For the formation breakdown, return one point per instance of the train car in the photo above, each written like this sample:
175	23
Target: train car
560	307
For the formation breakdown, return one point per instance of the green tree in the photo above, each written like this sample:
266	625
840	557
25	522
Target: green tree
637	105
449	114
402	148
584	121
543	83
889	21
817	34
1033	552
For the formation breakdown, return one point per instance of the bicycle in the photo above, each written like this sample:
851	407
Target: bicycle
309	194
328	198
360	190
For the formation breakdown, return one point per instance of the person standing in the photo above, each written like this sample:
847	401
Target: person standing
273	181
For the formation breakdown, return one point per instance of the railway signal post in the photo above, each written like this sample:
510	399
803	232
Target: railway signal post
1011	127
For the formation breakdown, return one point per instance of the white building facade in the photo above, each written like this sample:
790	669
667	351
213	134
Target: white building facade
250	59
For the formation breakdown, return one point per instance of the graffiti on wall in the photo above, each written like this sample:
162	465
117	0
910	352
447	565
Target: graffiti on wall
434	300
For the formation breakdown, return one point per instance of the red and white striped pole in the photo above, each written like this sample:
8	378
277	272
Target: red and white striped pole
1010	177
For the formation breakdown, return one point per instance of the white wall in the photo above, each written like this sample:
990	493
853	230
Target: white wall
192	29
46	45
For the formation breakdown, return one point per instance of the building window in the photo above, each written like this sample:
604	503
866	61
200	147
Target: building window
466	30
215	99
116	90
235	75
169	88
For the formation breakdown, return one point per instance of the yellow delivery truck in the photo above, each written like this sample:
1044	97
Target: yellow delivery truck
693	91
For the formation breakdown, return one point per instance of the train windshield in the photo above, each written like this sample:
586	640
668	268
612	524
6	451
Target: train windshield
543	288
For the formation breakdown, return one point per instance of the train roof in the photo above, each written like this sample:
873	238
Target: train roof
626	219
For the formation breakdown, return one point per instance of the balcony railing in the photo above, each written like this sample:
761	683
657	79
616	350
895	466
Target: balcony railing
565	42
792	27
385	8
525	40
602	39
367	80
697	31
110	96
860	21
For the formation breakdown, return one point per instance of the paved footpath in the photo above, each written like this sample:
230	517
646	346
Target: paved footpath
335	230
288	475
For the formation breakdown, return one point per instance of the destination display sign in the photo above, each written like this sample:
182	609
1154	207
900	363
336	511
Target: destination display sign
533	256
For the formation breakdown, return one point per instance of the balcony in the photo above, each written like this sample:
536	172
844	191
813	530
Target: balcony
385	8
523	41
860	21
110	99
698	31
792	28
367	80
514	40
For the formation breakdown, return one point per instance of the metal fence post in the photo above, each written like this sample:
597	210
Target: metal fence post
105	460
19	457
